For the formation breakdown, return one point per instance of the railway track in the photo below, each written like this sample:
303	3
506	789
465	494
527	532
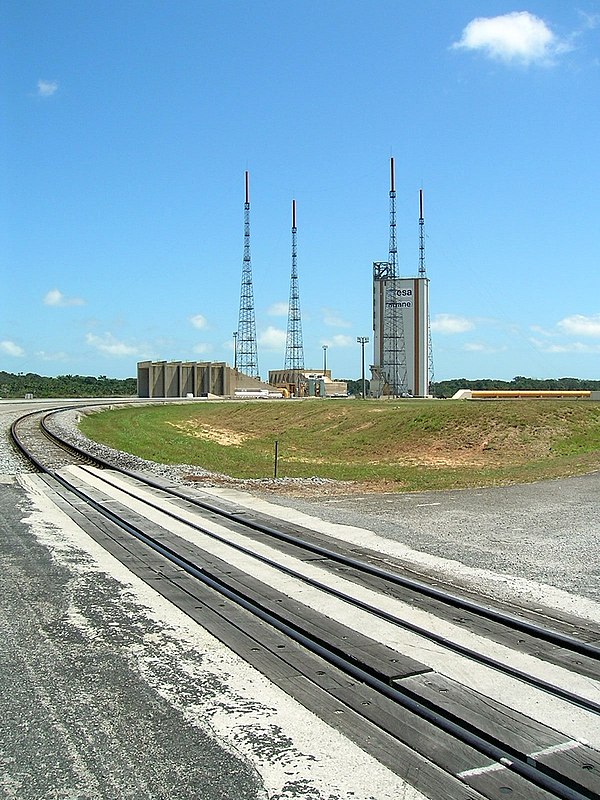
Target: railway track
378	653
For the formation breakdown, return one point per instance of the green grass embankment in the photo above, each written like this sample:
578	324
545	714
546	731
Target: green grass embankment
392	446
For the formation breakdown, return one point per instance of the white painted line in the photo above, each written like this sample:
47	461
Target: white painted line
504	763
557	748
468	773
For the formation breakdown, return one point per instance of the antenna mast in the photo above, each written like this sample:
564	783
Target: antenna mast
247	357
423	274
393	248
422	270
294	349
394	349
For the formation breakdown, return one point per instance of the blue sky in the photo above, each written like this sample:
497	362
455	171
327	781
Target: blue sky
126	129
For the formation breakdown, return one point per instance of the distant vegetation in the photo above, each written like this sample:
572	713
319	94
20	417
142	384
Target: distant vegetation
403	445
449	388
356	387
18	385
13	386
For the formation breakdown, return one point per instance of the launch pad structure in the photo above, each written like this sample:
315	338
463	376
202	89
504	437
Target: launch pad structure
402	357
402	338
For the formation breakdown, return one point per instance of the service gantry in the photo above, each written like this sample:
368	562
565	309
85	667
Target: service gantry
394	347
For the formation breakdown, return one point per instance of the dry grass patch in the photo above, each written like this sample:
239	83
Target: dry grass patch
223	436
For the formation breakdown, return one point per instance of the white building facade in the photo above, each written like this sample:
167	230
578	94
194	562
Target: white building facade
401	336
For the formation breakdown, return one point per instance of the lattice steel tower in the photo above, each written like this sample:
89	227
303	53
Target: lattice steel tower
294	349
423	274
247	357
394	347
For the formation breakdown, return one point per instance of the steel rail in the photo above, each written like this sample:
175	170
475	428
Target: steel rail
539	775
56	440
509	620
463	650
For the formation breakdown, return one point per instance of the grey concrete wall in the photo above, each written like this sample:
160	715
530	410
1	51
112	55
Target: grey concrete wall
180	378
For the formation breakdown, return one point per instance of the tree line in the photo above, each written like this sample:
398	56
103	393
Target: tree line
449	388
17	386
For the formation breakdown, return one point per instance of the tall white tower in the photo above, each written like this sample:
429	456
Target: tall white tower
408	300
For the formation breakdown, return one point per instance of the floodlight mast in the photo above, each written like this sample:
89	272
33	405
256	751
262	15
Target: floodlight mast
362	340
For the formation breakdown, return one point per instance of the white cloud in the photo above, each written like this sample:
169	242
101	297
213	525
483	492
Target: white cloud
199	321
340	340
273	338
579	325
111	346
51	356
478	347
11	349
449	324
474	347
278	310
334	320
518	37
46	88
542	331
569	347
202	347
57	299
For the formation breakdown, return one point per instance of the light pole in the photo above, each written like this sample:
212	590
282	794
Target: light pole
362	340
325	358
235	349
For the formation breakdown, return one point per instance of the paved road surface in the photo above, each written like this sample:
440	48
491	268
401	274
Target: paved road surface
547	532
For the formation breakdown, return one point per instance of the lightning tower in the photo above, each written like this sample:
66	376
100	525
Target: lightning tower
394	349
294	349
423	274
422	269
247	357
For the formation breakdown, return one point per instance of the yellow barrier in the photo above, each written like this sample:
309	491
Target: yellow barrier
541	393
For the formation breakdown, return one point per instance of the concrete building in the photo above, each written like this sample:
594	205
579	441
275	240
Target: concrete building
194	379
308	383
401	334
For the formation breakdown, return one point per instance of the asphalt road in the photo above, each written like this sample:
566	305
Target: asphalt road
547	532
77	720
